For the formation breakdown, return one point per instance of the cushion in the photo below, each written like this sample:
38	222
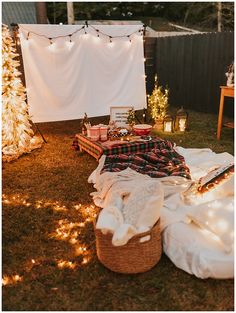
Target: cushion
197	251
216	216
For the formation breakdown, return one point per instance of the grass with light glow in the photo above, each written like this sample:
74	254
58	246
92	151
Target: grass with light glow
49	260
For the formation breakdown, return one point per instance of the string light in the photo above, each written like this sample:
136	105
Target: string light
9	280
18	39
98	33
85	260
66	264
66	230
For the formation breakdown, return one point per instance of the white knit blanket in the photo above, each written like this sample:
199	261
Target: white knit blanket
131	201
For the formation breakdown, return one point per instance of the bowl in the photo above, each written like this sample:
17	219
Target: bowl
142	129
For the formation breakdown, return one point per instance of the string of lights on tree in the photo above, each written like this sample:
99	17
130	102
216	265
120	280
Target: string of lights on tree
17	134
158	101
84	30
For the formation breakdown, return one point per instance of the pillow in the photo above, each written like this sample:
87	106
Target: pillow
216	216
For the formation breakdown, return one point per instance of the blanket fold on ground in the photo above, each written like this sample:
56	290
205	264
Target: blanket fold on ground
161	161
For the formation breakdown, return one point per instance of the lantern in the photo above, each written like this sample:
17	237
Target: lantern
181	120
168	124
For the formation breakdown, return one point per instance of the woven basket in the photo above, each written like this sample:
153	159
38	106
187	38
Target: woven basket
135	256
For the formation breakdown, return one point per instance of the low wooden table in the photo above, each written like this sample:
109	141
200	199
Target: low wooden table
98	148
225	92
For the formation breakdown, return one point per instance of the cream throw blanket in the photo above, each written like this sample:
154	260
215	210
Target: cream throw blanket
131	201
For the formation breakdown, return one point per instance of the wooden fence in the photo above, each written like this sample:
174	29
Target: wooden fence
192	66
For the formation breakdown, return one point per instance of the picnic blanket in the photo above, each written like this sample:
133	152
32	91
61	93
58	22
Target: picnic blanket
161	161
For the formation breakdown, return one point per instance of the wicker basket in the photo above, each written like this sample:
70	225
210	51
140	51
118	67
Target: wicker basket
135	256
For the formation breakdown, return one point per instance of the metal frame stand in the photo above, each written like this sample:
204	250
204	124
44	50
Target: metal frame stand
38	130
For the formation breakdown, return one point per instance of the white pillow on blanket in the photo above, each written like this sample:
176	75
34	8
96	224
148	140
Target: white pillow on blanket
216	216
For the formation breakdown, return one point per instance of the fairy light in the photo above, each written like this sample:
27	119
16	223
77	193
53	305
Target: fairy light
10	280
110	40
97	31
81	250
214	181
66	230
17	135
85	260
59	208
18	39
5	280
73	241
129	38
66	264
17	278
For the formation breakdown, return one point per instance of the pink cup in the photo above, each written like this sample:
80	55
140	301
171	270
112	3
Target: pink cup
103	133
94	133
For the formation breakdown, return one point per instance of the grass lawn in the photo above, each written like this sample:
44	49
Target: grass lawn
46	232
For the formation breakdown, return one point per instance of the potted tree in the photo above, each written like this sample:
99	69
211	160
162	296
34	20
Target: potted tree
158	104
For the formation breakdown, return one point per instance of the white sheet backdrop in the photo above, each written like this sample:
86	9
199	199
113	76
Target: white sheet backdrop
65	79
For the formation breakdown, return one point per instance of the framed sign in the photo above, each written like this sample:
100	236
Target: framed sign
119	115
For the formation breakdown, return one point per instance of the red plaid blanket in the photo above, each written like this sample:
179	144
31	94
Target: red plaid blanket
159	162
118	147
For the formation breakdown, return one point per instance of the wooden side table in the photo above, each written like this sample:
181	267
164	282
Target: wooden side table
225	92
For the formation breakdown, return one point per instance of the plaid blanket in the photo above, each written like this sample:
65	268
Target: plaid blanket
159	162
98	148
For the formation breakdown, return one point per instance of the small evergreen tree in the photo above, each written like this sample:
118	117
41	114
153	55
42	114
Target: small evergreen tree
17	134
131	117
158	102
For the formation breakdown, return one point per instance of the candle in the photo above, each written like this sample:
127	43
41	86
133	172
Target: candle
182	124
168	127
